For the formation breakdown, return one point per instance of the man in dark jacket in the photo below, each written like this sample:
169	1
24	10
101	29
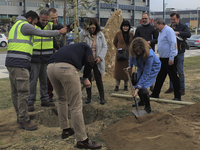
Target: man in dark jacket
62	71
147	31
182	32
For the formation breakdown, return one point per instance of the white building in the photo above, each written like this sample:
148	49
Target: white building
131	9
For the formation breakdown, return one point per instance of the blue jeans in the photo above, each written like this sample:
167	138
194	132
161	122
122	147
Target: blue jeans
180	63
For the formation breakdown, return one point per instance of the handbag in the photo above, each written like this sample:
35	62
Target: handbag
134	77
122	54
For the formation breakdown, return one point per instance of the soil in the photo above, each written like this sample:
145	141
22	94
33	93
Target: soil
169	126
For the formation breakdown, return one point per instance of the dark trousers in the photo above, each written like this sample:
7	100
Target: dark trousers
50	88
171	70
98	78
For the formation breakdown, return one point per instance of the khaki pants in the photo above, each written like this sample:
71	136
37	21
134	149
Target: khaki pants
19	81
65	80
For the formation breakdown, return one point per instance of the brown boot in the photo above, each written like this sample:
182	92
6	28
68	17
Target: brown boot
170	90
27	125
183	92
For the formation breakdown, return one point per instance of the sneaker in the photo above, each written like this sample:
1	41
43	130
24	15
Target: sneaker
47	104
31	108
170	90
27	125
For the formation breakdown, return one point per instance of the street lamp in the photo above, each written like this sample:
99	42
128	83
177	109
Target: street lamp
7	6
198	17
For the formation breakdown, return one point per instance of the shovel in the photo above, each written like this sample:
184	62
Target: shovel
136	112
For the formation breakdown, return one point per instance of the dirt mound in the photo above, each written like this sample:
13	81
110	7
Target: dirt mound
161	130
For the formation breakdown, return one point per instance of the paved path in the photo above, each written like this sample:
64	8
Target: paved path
4	72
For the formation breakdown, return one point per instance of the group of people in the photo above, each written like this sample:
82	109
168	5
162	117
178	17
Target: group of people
171	47
33	54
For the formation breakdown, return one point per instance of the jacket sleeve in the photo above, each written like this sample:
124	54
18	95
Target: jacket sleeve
144	79
103	51
115	41
28	29
185	33
155	37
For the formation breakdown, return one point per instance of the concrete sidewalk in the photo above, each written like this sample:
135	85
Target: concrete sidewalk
4	72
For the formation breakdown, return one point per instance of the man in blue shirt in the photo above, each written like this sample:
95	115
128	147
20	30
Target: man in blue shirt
167	49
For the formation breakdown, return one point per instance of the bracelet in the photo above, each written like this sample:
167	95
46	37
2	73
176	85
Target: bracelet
85	78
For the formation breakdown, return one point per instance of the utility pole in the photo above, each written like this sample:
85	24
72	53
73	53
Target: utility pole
164	10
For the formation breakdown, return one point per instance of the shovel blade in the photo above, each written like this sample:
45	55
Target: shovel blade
139	113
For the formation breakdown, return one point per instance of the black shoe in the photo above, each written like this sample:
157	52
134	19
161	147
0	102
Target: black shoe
116	88
102	100
177	99
88	100
66	134
51	100
47	104
140	103
148	109
125	88
153	96
170	90
88	145
31	108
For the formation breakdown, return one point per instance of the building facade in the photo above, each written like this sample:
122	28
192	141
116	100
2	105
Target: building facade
131	9
188	17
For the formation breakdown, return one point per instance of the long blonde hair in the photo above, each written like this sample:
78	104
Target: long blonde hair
139	44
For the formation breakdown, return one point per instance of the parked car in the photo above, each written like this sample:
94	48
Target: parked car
3	40
70	38
194	41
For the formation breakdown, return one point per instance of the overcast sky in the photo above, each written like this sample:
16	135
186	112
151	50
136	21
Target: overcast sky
157	5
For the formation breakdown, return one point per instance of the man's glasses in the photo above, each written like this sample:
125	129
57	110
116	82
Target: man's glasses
144	18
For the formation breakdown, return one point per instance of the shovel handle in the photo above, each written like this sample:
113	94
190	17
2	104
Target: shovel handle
132	90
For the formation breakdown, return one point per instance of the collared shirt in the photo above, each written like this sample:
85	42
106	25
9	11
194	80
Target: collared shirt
167	44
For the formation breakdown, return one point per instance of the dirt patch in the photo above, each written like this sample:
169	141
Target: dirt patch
179	129
114	120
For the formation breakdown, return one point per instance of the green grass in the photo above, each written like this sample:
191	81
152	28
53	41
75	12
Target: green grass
3	50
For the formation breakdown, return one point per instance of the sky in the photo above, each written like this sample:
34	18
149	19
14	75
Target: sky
157	5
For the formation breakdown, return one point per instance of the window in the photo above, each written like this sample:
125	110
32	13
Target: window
31	4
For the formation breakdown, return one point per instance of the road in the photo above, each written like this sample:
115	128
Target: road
4	72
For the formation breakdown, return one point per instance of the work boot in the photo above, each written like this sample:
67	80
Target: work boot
88	100
116	88
170	90
47	104
27	125
141	102
31	117
125	88
102	100
147	107
31	108
183	92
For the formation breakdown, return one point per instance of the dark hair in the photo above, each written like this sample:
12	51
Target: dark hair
145	13
90	21
159	21
44	12
175	13
31	14
125	23
53	10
